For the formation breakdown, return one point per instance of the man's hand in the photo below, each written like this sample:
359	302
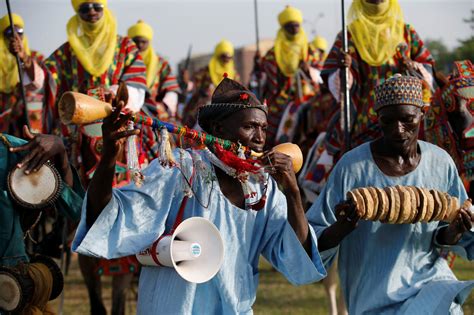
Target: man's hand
347	216
347	221
42	148
345	59
462	223
115	132
16	47
280	166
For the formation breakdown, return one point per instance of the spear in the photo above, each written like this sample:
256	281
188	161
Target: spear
20	72
257	38
345	101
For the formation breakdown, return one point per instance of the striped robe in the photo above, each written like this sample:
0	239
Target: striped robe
366	78
11	122
163	83
281	91
65	73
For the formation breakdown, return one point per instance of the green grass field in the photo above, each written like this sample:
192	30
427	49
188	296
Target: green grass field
275	295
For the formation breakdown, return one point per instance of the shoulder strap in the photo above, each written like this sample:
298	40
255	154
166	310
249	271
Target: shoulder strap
179	216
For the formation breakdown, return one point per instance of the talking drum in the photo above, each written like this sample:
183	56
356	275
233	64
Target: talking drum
36	190
16	289
56	273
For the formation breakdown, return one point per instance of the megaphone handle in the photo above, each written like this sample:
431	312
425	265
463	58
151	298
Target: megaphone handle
179	216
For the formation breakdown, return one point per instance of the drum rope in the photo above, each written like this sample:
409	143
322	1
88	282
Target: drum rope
28	233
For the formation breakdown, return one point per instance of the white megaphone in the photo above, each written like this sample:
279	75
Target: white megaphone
195	250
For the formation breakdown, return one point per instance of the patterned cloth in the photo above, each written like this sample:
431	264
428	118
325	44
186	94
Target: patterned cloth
11	122
65	73
438	130
399	90
163	82
284	95
366	78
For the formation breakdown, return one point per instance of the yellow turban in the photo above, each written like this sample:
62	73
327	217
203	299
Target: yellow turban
8	67
5	22
320	43
141	29
217	68
290	14
149	56
224	47
290	50
93	43
77	3
376	29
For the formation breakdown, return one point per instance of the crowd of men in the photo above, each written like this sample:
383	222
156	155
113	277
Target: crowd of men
405	116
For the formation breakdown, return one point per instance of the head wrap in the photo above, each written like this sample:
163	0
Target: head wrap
461	84
149	56
77	3
320	43
229	97
217	68
290	50
399	90
376	29
93	43
8	67
290	14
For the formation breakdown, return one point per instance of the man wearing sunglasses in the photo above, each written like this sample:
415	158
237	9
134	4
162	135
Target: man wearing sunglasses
13	42
94	60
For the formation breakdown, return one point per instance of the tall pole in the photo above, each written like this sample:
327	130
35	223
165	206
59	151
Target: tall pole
20	72
257	39
346	100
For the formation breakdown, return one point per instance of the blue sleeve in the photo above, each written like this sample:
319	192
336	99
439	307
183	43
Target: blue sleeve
465	246
135	216
321	215
285	252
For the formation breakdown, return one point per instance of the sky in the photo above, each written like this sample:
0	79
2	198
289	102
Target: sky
202	23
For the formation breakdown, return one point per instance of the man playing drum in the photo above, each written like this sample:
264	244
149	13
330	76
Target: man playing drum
15	219
395	268
253	216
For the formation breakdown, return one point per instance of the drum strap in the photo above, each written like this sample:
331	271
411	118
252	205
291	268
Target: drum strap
177	221
179	217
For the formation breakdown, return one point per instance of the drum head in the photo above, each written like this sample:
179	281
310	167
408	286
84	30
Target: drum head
10	291
36	190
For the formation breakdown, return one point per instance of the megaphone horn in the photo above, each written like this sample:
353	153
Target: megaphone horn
195	250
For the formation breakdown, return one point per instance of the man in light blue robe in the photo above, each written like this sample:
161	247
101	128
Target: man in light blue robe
394	268
254	217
